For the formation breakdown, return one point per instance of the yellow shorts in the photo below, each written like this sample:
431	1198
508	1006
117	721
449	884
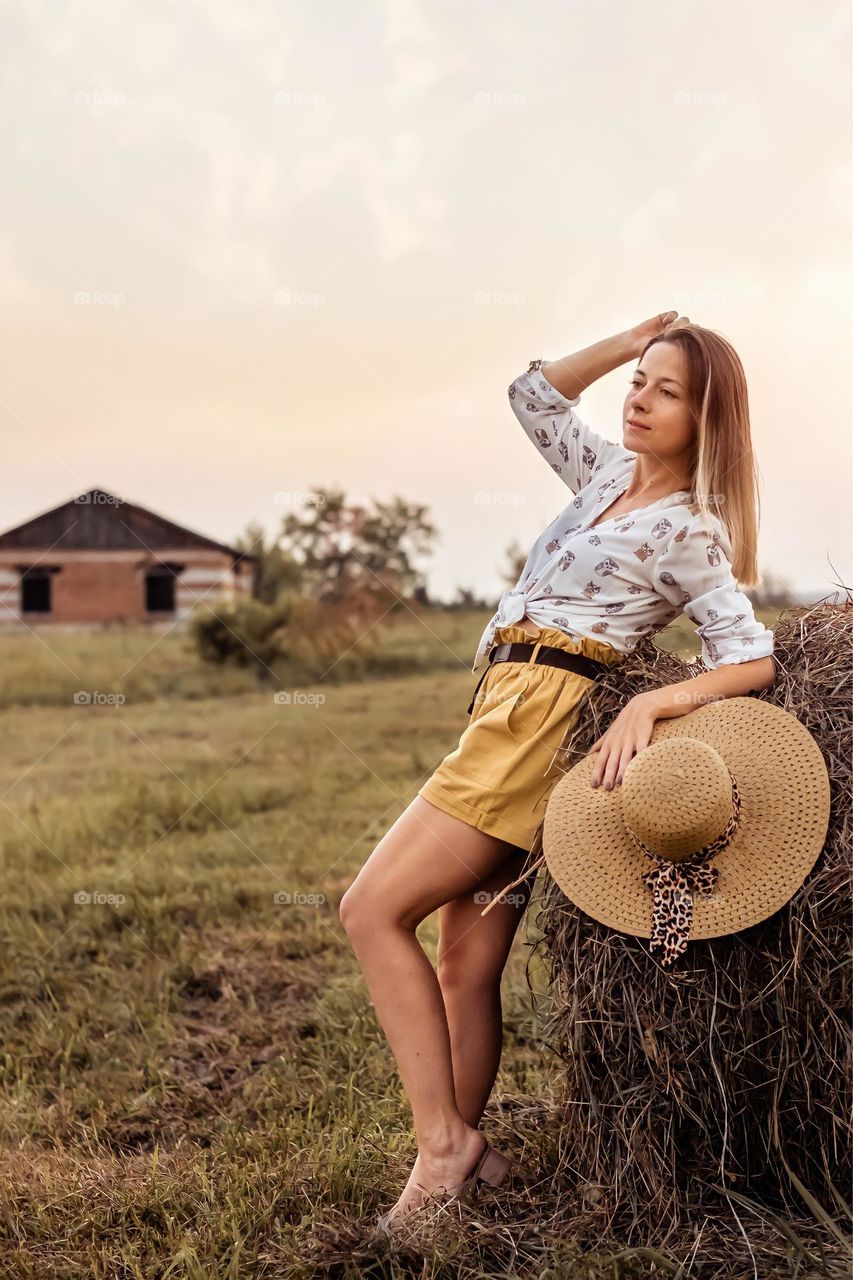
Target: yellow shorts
502	771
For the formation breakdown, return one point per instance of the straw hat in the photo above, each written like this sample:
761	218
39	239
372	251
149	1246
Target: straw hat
729	803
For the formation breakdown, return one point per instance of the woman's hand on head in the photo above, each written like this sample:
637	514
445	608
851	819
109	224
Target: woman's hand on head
653	328
629	733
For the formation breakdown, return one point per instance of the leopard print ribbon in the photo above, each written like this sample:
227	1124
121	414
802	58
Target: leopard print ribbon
673	884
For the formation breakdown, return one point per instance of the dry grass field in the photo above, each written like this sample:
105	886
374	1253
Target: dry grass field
192	1081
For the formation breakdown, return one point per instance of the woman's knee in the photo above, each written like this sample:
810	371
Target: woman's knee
473	949
471	960
470	974
356	911
366	911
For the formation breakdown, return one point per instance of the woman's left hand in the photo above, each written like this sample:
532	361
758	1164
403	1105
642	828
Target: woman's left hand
629	733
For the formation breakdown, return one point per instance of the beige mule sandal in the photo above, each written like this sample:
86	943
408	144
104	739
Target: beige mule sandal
491	1167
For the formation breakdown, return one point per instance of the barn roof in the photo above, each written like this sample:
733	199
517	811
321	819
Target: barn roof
101	521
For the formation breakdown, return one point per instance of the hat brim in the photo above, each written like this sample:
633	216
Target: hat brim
784	789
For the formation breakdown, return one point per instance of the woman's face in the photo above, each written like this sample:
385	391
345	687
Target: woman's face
655	417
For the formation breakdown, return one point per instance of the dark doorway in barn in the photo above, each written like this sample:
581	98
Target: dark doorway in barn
160	588
35	591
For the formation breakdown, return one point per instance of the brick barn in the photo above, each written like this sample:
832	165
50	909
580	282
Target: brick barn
98	559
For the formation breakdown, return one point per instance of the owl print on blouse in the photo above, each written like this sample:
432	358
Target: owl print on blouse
713	549
667	578
712	553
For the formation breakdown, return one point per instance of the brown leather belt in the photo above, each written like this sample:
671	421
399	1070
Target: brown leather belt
548	654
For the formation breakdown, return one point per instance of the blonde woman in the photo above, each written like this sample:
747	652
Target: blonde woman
661	524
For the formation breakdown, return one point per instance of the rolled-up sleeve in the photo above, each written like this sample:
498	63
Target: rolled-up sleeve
695	573
568	443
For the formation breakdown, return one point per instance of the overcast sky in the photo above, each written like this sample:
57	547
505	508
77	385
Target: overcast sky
247	249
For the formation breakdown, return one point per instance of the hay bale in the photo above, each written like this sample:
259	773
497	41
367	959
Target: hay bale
729	1075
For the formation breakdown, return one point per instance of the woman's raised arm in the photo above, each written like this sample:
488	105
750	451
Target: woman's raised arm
572	374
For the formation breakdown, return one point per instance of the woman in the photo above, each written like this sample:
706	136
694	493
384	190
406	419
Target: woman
647	536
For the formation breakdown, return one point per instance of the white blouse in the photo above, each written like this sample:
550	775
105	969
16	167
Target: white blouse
632	574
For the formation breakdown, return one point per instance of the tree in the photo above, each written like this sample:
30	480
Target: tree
273	571
516	560
344	548
467	598
773	592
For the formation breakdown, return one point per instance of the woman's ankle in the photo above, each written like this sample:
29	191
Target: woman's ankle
445	1139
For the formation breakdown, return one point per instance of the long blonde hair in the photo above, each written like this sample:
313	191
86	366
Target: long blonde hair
725	480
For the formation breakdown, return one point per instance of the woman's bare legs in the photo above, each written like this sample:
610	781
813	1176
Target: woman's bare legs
427	859
472	953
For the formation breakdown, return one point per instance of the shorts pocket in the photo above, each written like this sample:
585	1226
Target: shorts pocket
556	700
502	702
